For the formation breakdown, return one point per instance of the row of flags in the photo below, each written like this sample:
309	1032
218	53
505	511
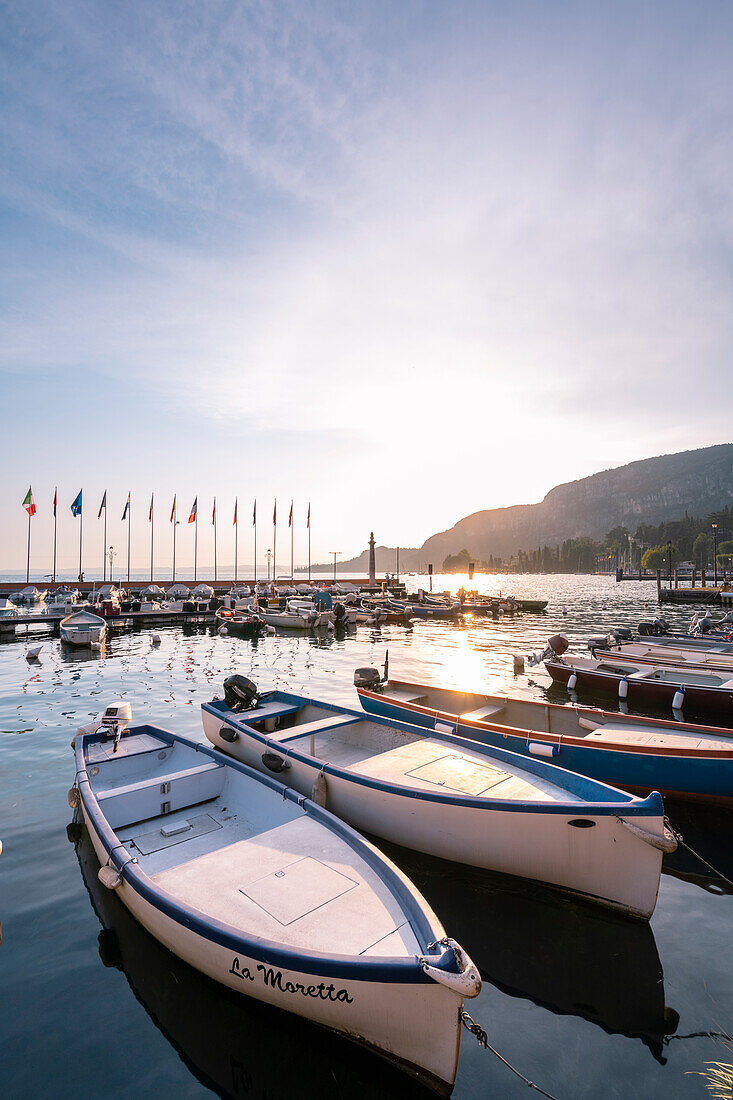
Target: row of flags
76	509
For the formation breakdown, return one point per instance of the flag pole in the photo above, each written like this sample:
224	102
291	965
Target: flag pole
309	542
292	533
152	528
196	543
104	551
255	527
28	560
215	574
236	532
129	518
81	529
274	544
54	534
175	524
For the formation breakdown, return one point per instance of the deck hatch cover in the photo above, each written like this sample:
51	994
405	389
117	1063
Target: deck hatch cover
297	889
155	841
460	773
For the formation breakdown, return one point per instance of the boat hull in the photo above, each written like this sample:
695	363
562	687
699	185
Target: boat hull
600	859
678	774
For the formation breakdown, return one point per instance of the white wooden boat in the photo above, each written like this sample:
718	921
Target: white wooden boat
82	628
8	610
339	614
295	620
452	797
681	656
270	895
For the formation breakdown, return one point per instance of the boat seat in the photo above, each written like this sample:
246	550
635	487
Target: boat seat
405	696
482	714
264	711
161	794
320	725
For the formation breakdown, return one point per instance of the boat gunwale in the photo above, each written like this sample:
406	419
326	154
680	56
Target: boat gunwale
641	676
525	734
425	925
630	805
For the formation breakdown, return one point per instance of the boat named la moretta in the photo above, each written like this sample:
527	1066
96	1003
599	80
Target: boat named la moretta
451	797
269	894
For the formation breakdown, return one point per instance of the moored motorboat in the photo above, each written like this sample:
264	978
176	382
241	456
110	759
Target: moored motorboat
452	797
269	894
641	754
648	684
243	624
83	628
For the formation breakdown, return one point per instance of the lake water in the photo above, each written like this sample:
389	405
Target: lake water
584	1003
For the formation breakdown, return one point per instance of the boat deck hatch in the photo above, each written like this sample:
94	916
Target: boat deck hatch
458	773
297	889
169	834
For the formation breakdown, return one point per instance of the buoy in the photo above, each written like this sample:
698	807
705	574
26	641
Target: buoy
155	639
270	629
603	607
518	663
564	610
572	681
74	797
623	688
678	700
33	652
223	630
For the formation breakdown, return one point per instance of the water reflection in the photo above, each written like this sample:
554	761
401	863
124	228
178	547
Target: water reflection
705	858
571	958
234	1045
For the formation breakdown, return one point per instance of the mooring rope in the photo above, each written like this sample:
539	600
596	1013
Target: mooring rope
678	838
482	1038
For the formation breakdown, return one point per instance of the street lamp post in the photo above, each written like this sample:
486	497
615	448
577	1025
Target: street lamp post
669	563
112	554
334	552
269	554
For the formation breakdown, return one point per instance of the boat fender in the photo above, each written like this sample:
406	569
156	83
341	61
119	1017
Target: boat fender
74	797
623	688
537	748
666	843
443	727
518	664
467	983
678	700
228	734
319	792
572	681
274	762
223	629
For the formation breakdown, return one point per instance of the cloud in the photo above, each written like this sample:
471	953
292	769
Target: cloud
433	243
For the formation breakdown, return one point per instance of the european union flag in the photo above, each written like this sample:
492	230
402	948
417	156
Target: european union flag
76	506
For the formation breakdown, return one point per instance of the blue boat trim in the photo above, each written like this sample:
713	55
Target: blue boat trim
601	799
372	969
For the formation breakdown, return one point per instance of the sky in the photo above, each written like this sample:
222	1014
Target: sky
405	261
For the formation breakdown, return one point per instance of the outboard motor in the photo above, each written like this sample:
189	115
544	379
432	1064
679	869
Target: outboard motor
622	633
367	678
240	693
600	641
339	614
556	646
647	630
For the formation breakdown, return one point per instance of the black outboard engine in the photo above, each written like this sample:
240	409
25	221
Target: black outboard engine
240	693
339	614
367	678
623	633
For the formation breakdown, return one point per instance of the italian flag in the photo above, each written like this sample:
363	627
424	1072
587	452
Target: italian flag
29	503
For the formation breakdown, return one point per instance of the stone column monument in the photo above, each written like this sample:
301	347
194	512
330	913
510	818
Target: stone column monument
372	563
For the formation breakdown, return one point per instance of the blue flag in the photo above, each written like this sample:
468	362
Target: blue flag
76	506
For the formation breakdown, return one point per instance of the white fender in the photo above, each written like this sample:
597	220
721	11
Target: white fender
665	843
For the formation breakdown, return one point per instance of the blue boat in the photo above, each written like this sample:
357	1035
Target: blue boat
679	759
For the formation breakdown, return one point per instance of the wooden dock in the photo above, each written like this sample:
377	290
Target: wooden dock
128	620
